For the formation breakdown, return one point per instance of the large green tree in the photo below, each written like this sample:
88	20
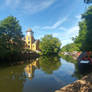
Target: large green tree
10	36
85	33
80	39
49	45
87	16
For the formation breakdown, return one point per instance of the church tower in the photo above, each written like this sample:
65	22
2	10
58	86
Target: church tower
29	38
31	43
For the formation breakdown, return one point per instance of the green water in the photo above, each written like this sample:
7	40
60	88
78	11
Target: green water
45	74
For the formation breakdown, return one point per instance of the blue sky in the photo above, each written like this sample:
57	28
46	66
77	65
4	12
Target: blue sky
57	17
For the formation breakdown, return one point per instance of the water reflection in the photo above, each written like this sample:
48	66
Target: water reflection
30	68
45	74
75	62
80	69
46	63
49	64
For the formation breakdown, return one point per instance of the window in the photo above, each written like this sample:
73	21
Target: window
28	46
29	42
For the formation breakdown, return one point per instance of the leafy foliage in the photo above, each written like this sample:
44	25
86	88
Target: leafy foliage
10	37
80	39
70	48
85	33
49	45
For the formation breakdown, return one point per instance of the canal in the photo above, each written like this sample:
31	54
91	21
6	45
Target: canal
45	74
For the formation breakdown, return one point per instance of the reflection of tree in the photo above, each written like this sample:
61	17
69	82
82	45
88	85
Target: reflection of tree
30	69
69	58
75	62
49	64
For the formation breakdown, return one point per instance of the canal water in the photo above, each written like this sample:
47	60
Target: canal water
45	74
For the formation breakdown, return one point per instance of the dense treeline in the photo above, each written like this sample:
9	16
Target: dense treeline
50	45
70	48
11	42
83	42
85	33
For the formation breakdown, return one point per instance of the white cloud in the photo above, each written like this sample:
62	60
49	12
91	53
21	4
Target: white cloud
57	24
56	34
66	41
73	31
66	36
12	3
34	7
62	28
78	17
29	6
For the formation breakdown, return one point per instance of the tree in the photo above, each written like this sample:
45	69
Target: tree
49	45
80	39
85	33
70	48
10	36
87	16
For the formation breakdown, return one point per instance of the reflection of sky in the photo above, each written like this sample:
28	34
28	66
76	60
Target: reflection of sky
43	82
68	68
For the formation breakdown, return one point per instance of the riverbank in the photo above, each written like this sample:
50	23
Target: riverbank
74	54
82	85
19	58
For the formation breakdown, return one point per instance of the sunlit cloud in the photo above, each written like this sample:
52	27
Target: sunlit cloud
29	6
73	31
78	17
56	25
66	41
66	36
12	3
33	7
56	34
62	28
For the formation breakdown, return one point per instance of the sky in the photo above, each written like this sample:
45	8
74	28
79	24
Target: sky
59	18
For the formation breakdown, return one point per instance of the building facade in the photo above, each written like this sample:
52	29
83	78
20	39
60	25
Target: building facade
31	43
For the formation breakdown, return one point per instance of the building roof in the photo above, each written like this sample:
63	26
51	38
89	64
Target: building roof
29	30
